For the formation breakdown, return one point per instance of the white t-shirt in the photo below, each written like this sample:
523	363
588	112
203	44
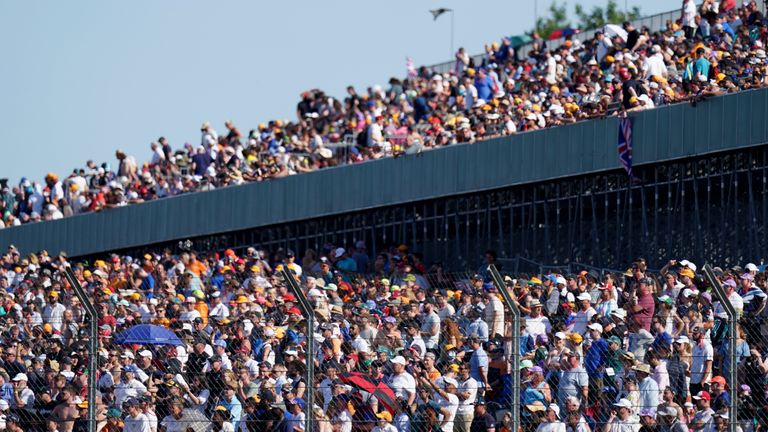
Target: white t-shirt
431	320
452	403
172	425
467	406
494	308
140	423
152	420
27	395
556	426
654	65
736	301
632	424
537	326
54	315
189	316
403	385
446	312
689	14
582	319
386	428
220	310
699	355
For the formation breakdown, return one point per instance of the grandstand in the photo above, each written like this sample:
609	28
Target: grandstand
330	300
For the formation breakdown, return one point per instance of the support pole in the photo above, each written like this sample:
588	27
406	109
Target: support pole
498	280
733	318
309	313
452	51
93	344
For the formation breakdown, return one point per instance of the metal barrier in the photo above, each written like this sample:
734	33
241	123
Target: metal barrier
412	346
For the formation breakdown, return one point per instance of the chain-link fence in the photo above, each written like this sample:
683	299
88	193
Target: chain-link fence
223	344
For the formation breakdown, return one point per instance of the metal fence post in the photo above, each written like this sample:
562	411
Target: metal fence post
309	313
498	280
733	318
93	347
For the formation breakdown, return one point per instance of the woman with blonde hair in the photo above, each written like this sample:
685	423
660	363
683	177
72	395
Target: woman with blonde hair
321	422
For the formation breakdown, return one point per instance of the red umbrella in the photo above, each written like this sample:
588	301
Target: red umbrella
382	391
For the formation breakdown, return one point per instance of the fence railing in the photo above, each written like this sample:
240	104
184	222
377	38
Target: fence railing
412	348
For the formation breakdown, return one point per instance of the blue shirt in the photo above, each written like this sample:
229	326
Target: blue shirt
479	359
235	408
702	66
595	357
484	88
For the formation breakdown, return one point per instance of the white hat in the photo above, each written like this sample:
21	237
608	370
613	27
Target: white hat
560	335
338	252
623	403
584	296
560	280
21	377
291	352
216	294
447	380
690	265
555	408
145	353
128	354
682	339
687	293
595	326
398	360
751	267
620	313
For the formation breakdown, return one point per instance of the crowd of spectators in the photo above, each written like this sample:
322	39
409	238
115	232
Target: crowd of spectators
712	49
399	347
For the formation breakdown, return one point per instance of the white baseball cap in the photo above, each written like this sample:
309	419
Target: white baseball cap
595	326
145	353
398	360
21	377
623	403
555	408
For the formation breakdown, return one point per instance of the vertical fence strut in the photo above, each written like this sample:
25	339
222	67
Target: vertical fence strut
498	280
309	313
733	318
93	344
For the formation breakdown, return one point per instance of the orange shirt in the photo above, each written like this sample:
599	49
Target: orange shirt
202	307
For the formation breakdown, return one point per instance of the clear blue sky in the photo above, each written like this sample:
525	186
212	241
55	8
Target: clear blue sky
81	79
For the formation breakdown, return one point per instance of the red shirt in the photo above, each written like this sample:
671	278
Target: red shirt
645	316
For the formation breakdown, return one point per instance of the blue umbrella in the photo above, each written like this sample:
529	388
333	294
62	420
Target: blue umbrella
147	334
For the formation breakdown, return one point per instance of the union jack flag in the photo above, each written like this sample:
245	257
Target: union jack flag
625	144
